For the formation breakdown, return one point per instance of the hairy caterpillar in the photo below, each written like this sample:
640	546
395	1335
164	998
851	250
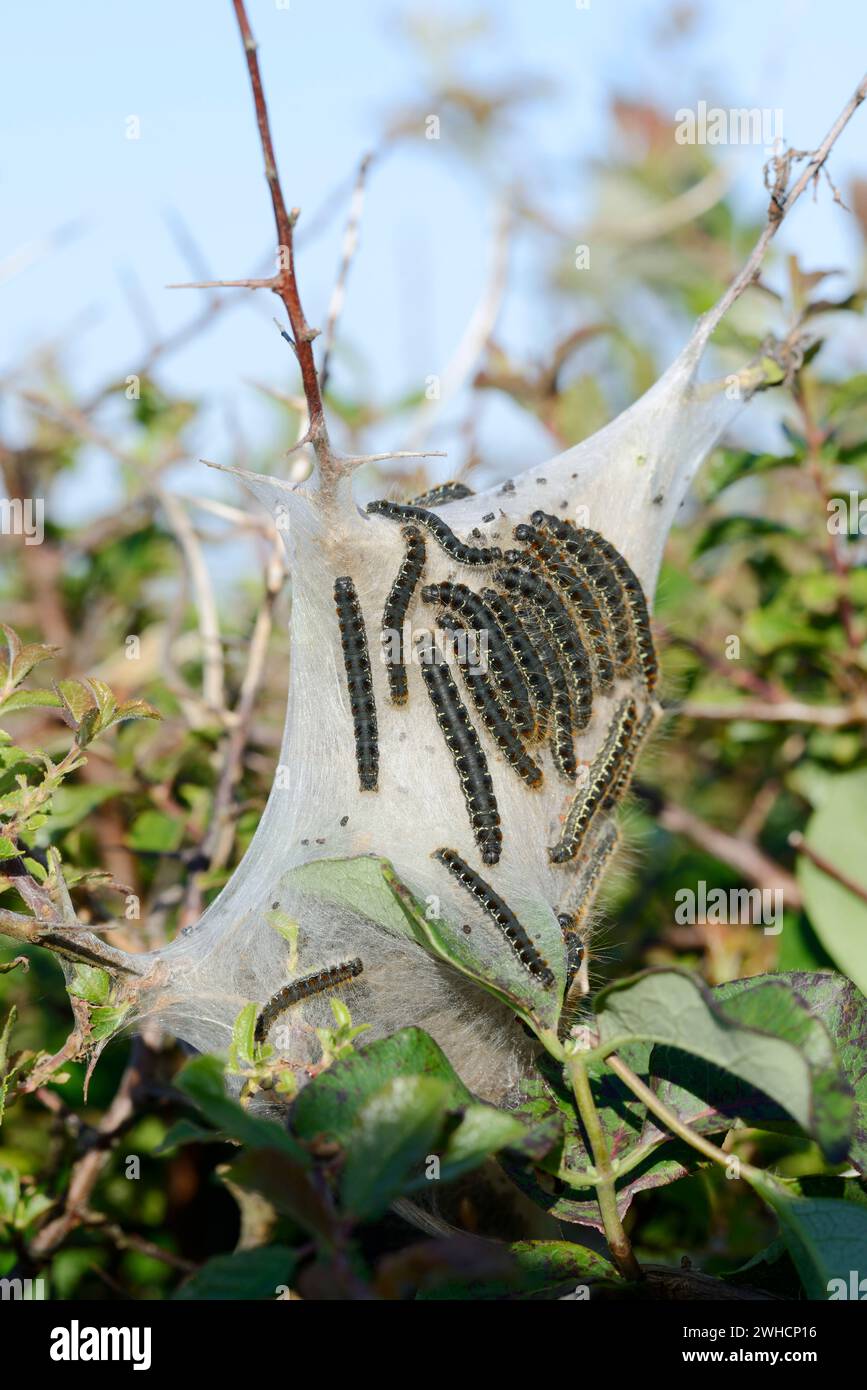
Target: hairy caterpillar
526	657
302	989
501	914
602	578
600	783
396	606
477	613
492	714
458	550
566	641
442	493
469	758
353	639
580	598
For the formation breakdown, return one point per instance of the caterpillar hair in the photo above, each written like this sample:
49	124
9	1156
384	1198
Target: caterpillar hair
458	550
564	635
302	989
491	712
579	598
396	606
507	674
500	913
602	579
636	602
603	775
525	654
359	683
442	493
470	763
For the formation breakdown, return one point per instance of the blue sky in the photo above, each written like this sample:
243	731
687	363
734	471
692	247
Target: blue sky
72	75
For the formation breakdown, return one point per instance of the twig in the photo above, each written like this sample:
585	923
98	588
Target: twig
606	1192
742	855
350	246
782	712
476	335
781	203
285	283
72	943
213	671
797	841
671	1121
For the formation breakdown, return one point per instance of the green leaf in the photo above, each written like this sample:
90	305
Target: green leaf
8	850
797	1068
247	1274
395	1132
726	530
836	833
29	699
185	1132
91	983
5	1073
555	1267
155	833
330	1104
827	1239
106	1021
243	1051
203	1081
482	1132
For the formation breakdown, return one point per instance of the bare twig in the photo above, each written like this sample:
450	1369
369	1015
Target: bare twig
70	942
778	712
350	246
782	202
797	841
285	283
742	855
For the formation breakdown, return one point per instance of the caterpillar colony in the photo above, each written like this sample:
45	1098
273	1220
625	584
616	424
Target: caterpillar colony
563	646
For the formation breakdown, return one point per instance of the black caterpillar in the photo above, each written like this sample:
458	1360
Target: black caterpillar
303	989
602	579
570	649
600	783
396	607
491	712
580	599
359	683
502	915
442	493
458	550
469	759
477	613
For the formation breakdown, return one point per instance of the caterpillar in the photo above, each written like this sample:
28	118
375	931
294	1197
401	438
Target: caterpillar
525	654
627	764
293	993
574	943
442	493
469	758
600	783
562	630
359	683
562	734
580	598
458	550
477	613
637	606
492	714
499	913
574	915
396	606
602	578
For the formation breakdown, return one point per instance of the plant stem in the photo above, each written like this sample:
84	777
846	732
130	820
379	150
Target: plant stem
606	1195
671	1121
